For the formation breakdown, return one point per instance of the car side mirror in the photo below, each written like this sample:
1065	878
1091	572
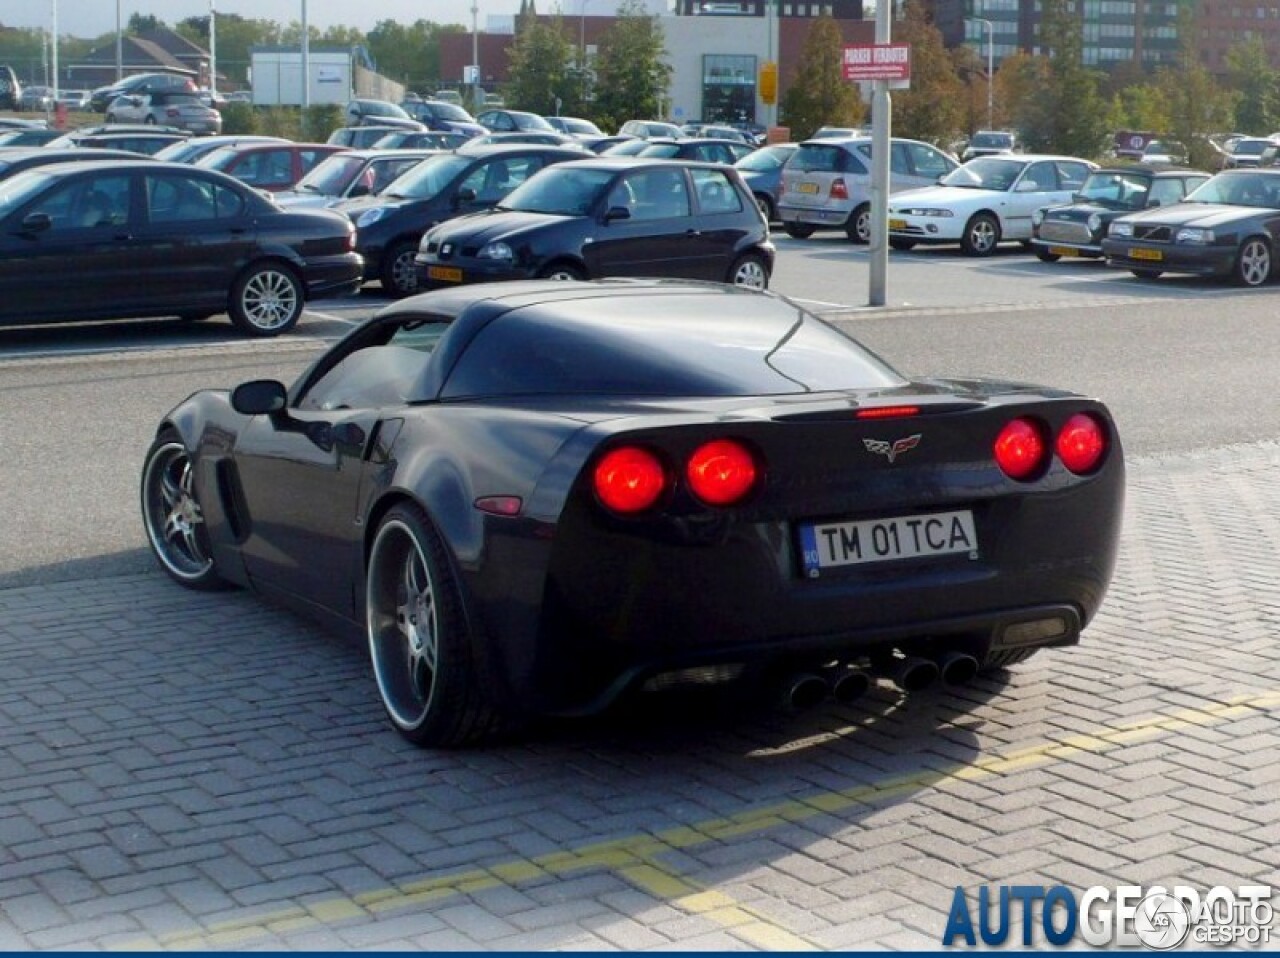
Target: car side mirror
617	213
466	195
259	397
36	222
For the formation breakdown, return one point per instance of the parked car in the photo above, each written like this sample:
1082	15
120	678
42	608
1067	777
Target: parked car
1164	151
541	497
363	112
268	166
511	121
761	170
77	100
351	174
985	202
448	96
826	183
240	96
15	161
990	143
22	123
443	117
1077	228
575	126
147	140
542	137
31	137
38	99
604	144
626	145
10	88
1228	227
189	151
174	109
645	129
104	96
389	226
703	149
608	217
420	140
361	137
840	132
722	131
159	239
1246	152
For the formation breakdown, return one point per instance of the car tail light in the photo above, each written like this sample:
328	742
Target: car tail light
630	479
1081	443
887	412
839	191
1020	449
172	111
721	472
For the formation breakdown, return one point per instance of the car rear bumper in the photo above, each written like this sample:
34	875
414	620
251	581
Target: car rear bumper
338	275
814	216
1197	260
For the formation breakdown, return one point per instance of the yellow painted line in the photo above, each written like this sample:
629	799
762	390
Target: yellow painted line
636	857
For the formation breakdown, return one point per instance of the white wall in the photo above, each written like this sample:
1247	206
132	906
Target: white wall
277	77
688	38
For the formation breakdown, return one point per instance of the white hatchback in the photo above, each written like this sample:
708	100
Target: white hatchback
985	201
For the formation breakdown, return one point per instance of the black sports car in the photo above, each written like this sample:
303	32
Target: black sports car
534	497
1077	228
1228	228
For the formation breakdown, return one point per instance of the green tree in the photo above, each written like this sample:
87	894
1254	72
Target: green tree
410	53
144	23
237	36
1198	105
933	108
542	77
1257	85
1070	114
631	74
819	95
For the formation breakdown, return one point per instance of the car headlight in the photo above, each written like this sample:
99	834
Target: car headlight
1094	222
927	211
1189	234
369	217
1121	228
1037	217
496	251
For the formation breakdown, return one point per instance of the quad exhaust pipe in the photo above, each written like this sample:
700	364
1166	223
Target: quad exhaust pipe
847	683
957	668
804	690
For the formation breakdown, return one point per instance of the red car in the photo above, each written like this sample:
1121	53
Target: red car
269	166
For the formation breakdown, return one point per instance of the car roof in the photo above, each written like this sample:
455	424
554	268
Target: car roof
492	149
1149	170
372	154
637	162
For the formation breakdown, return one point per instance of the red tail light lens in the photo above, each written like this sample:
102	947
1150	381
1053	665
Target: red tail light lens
839	191
1081	443
721	472
173	111
630	479
1020	449
887	412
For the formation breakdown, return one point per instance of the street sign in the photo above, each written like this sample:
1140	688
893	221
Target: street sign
881	61
769	83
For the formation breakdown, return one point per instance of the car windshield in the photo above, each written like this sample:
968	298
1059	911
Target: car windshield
331	176
1119	191
985	173
379	108
663	151
531	121
992	141
769	158
448	111
428	178
1250	147
1239	189
19	188
560	190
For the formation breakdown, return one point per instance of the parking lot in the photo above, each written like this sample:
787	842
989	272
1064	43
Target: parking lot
206	771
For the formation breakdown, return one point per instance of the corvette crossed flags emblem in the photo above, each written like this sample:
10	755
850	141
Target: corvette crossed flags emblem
892	450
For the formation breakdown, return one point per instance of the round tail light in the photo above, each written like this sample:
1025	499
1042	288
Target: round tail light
721	472
630	479
1081	443
1020	449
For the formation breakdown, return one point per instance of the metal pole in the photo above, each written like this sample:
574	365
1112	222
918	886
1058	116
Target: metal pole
991	71
119	45
881	127
582	35
475	57
213	55
55	51
306	66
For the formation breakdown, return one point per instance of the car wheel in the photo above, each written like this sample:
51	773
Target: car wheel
266	300
981	234
798	230
1253	262
901	244
399	273
1044	256
111	118
765	205
419	637
749	270
150	119
858	229
1146	273
173	516
561	271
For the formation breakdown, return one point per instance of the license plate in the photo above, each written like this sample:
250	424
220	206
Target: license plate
1139	252
897	224
831	545
807	188
1064	251
446	274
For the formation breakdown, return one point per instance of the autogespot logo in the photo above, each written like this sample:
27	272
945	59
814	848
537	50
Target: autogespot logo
1126	916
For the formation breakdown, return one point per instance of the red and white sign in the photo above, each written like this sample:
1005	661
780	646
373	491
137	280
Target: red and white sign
882	61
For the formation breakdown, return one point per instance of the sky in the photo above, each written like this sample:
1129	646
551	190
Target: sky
91	18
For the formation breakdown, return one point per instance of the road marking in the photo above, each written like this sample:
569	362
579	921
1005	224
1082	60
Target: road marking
637	858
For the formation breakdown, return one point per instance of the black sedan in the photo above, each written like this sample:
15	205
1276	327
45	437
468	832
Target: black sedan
1076	229
609	216
533	498
137	238
390	225
1227	228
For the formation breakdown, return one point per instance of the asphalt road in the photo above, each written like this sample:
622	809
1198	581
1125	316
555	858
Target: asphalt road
1183	364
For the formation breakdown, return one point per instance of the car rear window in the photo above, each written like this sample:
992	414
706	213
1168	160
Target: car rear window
823	158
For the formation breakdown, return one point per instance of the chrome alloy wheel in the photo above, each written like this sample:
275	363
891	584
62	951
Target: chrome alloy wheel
270	300
982	235
751	274
173	517
1254	265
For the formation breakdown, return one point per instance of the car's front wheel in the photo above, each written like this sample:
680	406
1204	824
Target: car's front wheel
1146	273
562	271
751	271
399	273
173	515
858	229
1253	262
981	234
419	637
1044	256
266	300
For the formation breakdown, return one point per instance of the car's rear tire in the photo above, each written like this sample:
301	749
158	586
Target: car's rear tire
902	244
562	271
1253	264
798	230
1044	256
173	517
858	227
981	235
420	638
765	205
266	299
399	273
750	271
1146	273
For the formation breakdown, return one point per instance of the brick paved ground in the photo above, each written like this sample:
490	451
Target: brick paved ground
203	771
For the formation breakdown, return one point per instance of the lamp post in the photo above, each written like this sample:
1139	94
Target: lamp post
475	56
55	50
213	55
582	36
991	32
119	46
